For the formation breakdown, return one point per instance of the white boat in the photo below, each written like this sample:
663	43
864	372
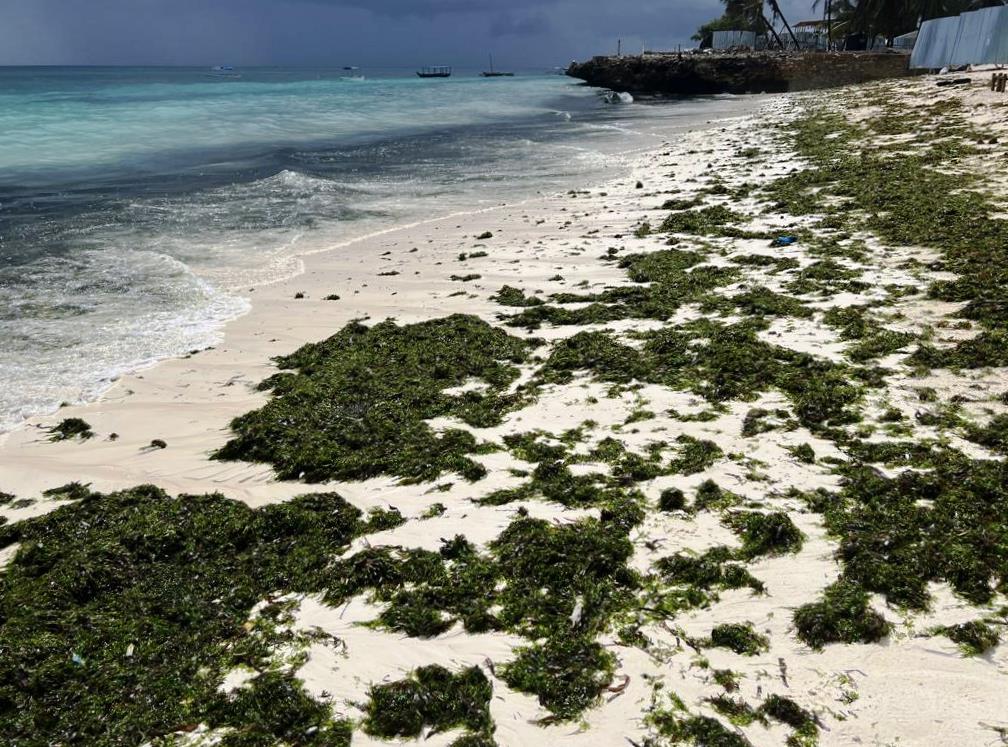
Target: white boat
223	71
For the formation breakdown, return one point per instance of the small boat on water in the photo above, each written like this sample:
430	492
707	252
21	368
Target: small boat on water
354	73
491	73
224	71
435	71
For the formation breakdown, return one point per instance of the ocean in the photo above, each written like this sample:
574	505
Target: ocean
138	206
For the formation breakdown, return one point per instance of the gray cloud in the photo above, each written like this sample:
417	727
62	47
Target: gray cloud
376	33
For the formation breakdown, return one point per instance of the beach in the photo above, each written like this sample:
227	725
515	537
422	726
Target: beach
731	372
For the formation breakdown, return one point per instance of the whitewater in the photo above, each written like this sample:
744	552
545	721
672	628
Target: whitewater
140	207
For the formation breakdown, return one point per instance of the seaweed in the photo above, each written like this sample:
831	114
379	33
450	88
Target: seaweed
804	453
994	435
917	198
765	534
702	221
974	637
357	405
786	711
121	613
678	726
666	279
713	570
71	428
430	698
756	421
274	709
872	340
948	524
732	363
558	586
509	296
740	638
842	615
710	495
736	710
672	499
567	673
695	455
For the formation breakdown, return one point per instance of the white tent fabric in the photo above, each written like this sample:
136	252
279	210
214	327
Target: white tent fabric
976	38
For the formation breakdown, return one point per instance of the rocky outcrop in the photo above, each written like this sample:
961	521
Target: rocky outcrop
691	74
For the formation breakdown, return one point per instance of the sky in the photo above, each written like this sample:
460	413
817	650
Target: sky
376	33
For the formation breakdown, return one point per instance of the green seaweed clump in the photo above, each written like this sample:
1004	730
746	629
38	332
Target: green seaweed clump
740	638
974	638
786	711
70	428
430	698
510	296
672	499
558	586
275	709
994	435
843	615
677	726
120	614
713	570
947	524
766	534
357	405
695	455
568	674
703	221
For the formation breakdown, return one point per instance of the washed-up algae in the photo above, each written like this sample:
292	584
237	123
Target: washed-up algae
431	699
910	197
354	406
671	723
720	363
946	524
121	613
558	586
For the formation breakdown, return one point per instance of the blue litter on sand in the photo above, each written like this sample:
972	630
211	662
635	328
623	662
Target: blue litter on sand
784	241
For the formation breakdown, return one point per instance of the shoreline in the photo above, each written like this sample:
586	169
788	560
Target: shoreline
241	287
264	293
777	437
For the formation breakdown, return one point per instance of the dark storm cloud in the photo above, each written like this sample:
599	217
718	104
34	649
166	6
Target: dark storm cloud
511	25
386	33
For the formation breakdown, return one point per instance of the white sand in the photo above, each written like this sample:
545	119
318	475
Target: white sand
912	689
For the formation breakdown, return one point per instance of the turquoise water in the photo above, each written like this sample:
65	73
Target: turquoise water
138	206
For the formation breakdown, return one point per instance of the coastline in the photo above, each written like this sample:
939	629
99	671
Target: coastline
861	692
246	351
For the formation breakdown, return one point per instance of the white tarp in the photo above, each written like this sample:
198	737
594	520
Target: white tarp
935	43
976	38
733	39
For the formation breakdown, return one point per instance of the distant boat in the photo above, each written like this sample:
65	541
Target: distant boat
436	71
491	73
356	74
223	71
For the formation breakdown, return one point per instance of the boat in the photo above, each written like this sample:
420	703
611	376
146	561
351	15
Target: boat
355	73
223	71
491	73
435	71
